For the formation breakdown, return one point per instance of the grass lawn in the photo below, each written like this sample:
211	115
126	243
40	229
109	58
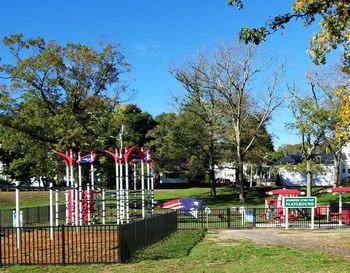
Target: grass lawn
182	253
28	199
226	197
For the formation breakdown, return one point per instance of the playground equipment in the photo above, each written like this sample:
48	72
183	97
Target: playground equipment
274	206
80	203
123	162
342	215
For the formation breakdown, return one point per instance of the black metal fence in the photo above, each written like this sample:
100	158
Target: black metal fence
67	245
59	245
137	235
236	218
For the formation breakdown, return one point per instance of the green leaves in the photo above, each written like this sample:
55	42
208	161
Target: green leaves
334	21
57	96
253	35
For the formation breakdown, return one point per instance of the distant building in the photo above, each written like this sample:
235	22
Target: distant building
324	178
226	171
173	171
172	177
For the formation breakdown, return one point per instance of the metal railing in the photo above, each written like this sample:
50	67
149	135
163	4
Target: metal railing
236	218
68	245
140	234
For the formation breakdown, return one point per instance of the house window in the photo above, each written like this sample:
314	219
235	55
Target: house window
343	170
348	170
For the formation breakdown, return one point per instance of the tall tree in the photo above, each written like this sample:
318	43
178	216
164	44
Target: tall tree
330	105
177	144
316	116
54	96
225	83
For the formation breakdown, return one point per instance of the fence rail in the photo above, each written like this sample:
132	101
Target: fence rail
68	245
235	218
140	234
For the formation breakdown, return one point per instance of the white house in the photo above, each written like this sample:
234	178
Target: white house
226	171
324	178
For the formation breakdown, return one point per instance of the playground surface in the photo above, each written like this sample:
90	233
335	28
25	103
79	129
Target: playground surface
334	241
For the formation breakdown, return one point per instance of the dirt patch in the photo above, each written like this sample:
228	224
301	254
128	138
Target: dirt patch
83	245
221	238
330	241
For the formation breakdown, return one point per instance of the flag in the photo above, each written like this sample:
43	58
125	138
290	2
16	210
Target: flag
190	205
147	156
185	204
90	158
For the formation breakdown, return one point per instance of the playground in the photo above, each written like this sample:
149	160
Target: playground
80	231
107	226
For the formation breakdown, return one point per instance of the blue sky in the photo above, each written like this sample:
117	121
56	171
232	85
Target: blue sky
155	34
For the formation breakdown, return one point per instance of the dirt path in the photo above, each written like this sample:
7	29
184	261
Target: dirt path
328	241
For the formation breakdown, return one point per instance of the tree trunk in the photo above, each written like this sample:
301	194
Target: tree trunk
336	168
212	184
212	180
308	178
241	181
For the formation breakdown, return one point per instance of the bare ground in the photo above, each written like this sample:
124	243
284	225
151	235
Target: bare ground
326	241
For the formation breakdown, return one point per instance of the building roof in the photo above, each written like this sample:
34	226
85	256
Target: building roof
291	159
324	158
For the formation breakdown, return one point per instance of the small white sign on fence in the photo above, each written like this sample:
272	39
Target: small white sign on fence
14	218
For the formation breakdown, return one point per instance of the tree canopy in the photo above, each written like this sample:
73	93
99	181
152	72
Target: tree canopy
334	21
56	97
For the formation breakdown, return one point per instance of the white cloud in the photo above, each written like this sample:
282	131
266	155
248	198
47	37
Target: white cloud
151	49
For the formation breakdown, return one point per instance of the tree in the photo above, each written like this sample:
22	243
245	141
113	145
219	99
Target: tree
316	118
342	93
324	99
223	84
289	149
57	97
334	22
136	126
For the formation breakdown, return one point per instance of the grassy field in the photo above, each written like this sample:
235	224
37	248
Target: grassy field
226	197
187	252
28	199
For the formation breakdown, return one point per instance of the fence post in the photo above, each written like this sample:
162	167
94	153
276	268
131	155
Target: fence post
63	246
228	218
121	244
202	218
254	217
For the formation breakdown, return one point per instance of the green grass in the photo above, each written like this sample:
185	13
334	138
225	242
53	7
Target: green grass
212	255
177	246
28	199
226	197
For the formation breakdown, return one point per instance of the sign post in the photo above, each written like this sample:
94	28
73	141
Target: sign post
300	203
